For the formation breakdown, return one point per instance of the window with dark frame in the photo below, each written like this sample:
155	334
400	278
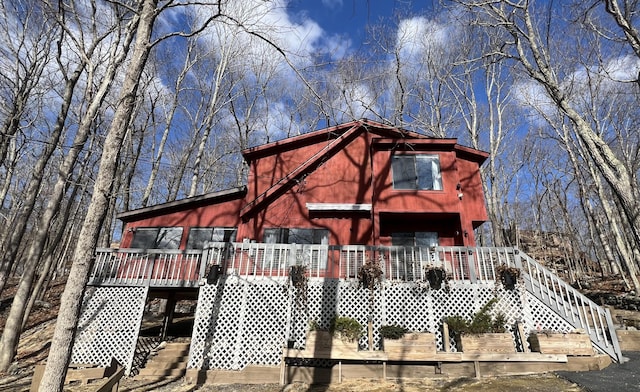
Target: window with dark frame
417	172
156	238
302	237
199	236
414	246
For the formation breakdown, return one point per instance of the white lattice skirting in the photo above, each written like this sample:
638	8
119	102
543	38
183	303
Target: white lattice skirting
247	321
242	322
109	325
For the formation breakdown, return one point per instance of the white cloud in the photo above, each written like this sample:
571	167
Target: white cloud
418	37
608	79
269	20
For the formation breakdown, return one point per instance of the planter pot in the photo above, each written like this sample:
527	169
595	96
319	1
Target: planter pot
214	274
412	346
561	343
325	345
435	278
498	343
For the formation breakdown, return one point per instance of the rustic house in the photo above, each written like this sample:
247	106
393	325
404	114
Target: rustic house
331	201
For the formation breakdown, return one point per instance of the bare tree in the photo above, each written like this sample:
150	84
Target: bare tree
62	342
522	42
26	40
12	329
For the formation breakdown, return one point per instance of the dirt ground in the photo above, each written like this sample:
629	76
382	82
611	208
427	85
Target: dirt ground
532	383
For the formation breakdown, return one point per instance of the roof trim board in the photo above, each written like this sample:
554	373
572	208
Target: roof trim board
177	205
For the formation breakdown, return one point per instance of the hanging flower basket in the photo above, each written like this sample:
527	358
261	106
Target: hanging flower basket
298	275
509	276
370	274
214	274
436	276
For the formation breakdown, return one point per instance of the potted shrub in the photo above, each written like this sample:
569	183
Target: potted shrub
556	342
401	344
508	276
341	335
483	333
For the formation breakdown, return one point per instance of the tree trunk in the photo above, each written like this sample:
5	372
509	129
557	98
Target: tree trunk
11	333
62	343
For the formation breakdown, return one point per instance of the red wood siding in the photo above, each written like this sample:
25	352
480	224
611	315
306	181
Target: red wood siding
349	164
216	215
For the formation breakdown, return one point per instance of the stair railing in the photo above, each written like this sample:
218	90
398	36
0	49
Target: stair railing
570	304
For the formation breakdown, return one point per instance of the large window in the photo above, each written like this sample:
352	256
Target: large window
413	251
315	256
419	238
416	172
199	236
296	236
157	238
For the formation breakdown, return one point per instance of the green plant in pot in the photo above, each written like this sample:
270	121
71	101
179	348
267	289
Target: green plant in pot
393	332
482	331
346	328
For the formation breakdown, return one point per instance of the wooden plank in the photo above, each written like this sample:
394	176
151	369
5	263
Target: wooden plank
74	373
336	354
486	343
111	383
411	347
514	357
561	343
629	339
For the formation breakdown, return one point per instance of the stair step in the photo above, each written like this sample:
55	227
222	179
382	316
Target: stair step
167	365
169	355
169	361
162	372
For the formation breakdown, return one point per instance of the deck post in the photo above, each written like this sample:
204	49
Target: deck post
168	314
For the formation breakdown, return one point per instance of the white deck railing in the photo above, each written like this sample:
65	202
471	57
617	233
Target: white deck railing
464	265
147	267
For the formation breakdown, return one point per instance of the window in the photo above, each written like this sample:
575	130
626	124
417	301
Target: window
296	236
199	236
304	237
418	238
407	260
157	238
420	172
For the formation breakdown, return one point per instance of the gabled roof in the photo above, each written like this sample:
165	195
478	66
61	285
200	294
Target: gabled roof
336	138
184	204
329	133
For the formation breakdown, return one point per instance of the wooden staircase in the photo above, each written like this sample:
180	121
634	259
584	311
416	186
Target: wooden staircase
169	361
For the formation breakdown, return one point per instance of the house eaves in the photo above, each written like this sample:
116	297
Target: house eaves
328	134
183	204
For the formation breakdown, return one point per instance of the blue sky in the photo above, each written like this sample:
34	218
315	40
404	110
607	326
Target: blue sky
350	17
